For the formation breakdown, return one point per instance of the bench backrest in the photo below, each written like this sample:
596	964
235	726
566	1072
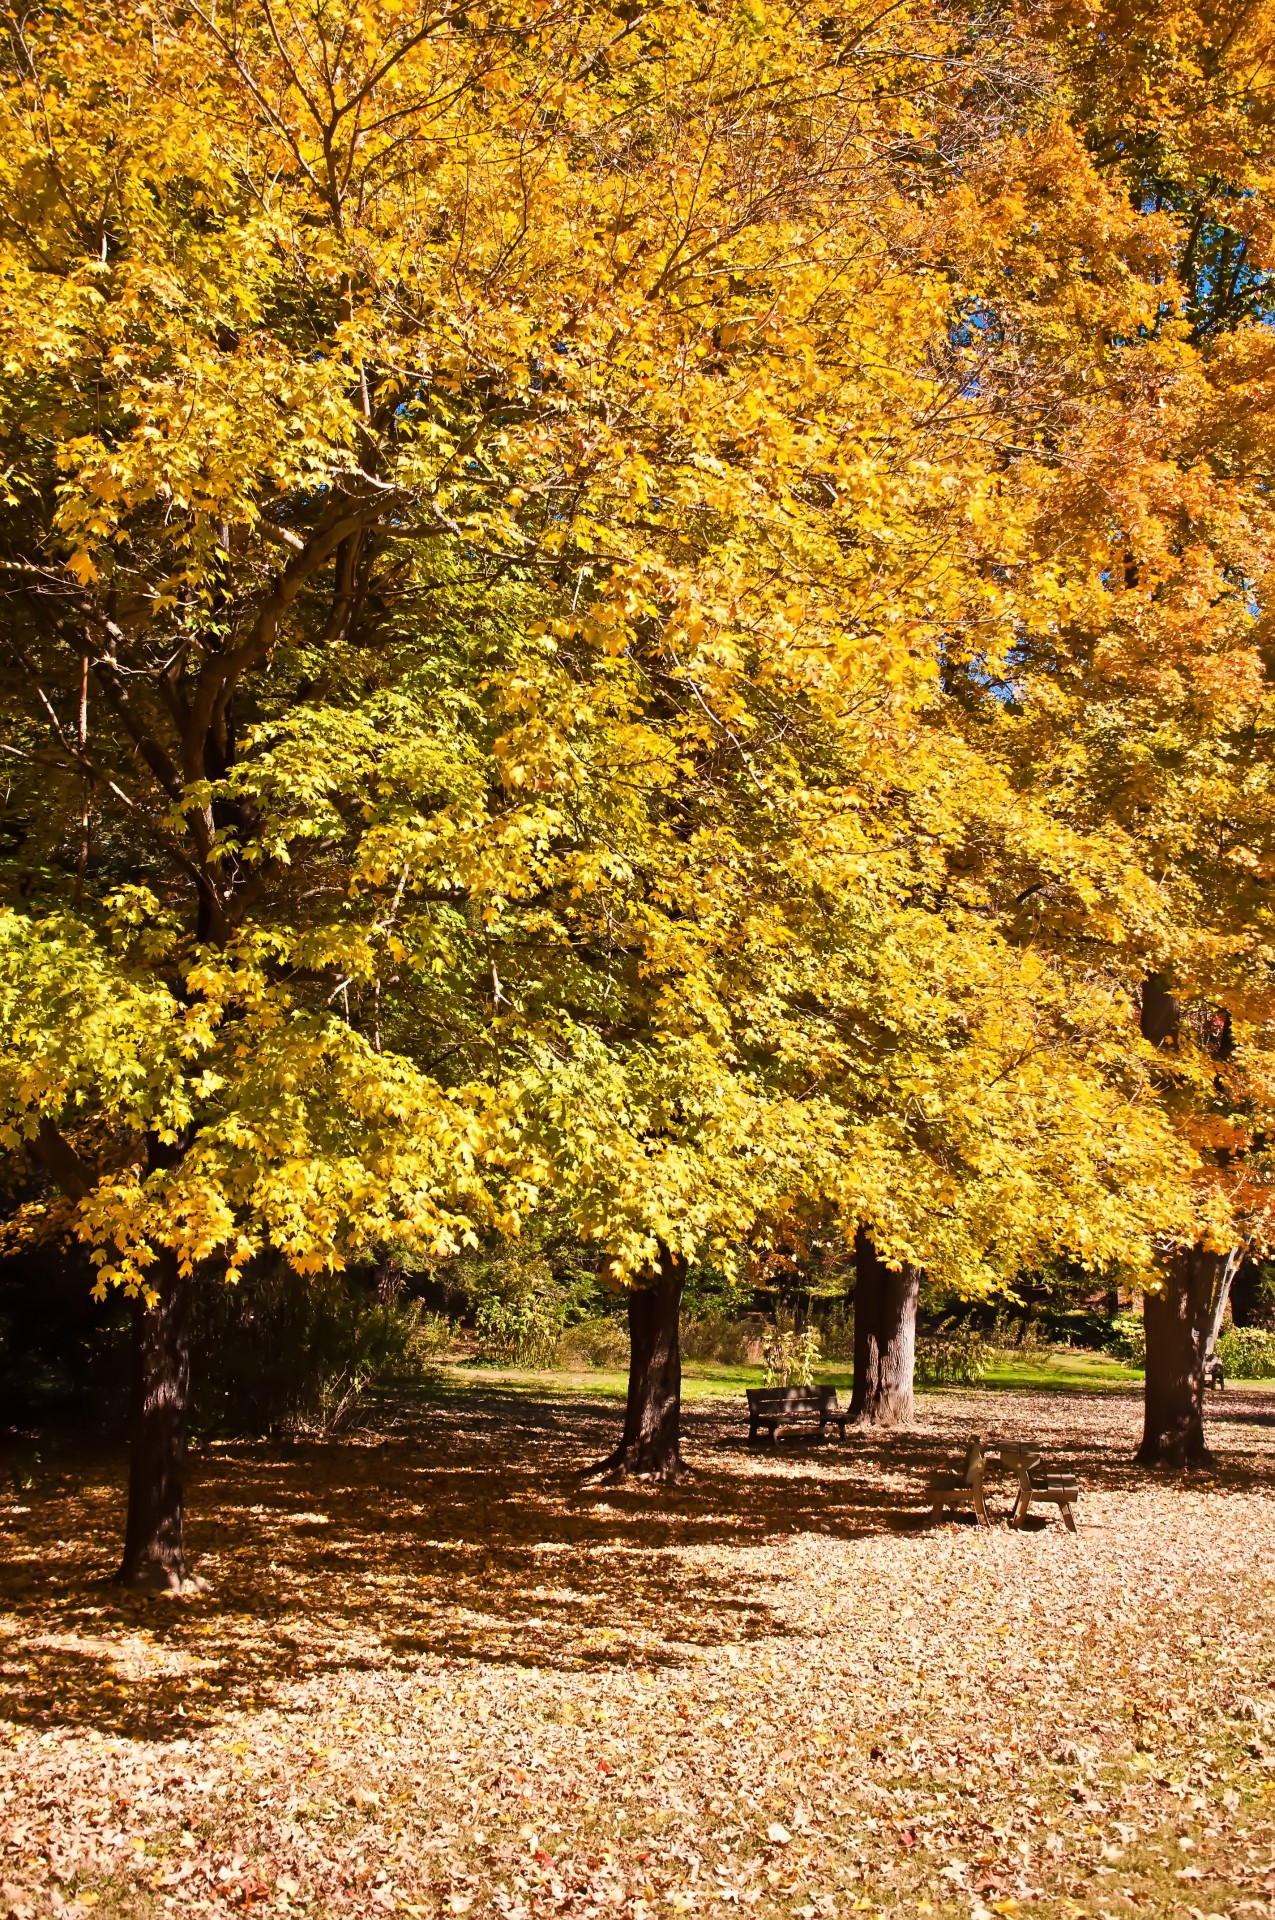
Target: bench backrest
792	1399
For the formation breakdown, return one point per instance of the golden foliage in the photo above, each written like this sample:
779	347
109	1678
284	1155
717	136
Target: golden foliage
663	608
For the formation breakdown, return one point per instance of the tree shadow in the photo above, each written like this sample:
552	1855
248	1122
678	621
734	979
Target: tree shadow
460	1532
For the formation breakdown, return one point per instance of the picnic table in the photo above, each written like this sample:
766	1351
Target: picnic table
963	1489
1036	1482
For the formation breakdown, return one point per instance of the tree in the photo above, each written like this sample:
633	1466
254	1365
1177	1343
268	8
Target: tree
1158	722
650	1444
513	523
885	1302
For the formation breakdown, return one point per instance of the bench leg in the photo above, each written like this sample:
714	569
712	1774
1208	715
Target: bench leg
752	1433
940	1507
980	1510
1065	1511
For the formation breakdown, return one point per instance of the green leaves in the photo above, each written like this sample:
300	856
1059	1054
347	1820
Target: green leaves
567	636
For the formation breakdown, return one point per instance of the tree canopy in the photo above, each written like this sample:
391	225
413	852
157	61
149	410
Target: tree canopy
527	533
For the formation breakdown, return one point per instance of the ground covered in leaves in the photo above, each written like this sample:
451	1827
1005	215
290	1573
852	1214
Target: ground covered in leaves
433	1677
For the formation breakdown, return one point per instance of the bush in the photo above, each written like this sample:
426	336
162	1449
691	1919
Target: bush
950	1359
1010	1334
1247	1353
790	1358
519	1329
596	1342
836	1331
721	1339
282	1353
1128	1339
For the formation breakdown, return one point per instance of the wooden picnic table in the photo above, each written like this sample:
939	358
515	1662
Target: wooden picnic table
952	1490
1036	1481
963	1489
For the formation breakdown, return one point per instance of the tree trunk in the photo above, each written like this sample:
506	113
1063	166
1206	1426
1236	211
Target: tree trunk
867	1325
1178	1320
1159	1015
153	1551
650	1448
899	1292
884	1338
1234	1260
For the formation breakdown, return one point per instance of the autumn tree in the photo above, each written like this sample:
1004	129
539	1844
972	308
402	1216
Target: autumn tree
1147	713
513	524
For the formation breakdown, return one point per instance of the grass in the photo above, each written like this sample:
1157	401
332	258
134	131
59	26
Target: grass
1068	1369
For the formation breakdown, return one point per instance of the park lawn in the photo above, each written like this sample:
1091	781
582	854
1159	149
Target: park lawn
434	1676
1065	1368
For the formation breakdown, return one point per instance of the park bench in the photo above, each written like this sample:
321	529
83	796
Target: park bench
963	1489
776	1407
1037	1482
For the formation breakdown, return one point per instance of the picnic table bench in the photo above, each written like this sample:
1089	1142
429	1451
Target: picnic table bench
1038	1482
1035	1482
776	1407
963	1489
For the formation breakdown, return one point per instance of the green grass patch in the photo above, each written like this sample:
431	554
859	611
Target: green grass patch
1058	1368
1072	1368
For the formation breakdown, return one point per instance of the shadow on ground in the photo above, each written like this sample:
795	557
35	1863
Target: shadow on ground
459	1531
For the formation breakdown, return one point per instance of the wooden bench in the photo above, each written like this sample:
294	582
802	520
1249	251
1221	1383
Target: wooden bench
1037	1482
776	1407
963	1489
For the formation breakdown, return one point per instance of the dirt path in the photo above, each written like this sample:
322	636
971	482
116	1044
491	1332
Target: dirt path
432	1678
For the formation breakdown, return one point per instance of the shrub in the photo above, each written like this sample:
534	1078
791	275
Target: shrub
520	1329
283	1353
1012	1335
950	1359
790	1358
596	1342
722	1339
1247	1353
836	1331
1128	1338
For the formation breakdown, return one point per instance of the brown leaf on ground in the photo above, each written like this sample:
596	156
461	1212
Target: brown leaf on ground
432	1677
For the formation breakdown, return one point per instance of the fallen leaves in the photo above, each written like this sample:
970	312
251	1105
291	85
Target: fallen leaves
777	1691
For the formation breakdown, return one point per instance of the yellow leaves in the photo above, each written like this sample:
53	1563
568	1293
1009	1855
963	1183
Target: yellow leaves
711	766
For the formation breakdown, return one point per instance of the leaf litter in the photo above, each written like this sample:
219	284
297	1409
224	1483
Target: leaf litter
433	1677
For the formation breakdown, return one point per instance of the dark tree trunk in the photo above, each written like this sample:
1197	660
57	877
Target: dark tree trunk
153	1551
884	1338
1159	1016
867	1325
650	1448
1177	1322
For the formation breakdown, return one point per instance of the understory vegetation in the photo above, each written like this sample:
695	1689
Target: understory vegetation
282	1355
